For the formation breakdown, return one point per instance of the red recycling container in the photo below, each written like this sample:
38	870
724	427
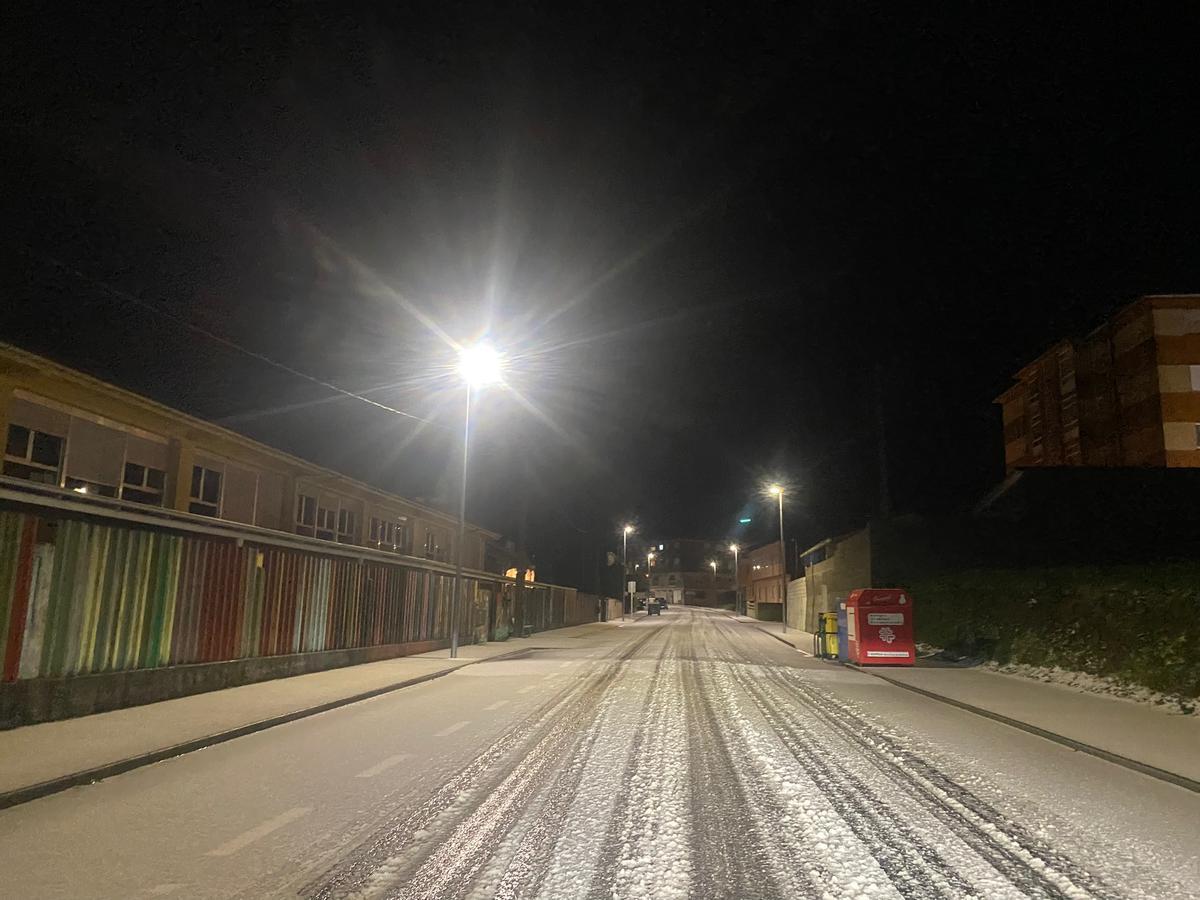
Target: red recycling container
879	627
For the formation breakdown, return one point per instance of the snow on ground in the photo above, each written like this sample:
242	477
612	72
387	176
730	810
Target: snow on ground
693	765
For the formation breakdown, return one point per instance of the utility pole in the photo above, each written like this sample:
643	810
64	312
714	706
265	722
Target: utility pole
885	496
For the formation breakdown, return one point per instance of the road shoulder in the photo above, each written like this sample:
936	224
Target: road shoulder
1155	742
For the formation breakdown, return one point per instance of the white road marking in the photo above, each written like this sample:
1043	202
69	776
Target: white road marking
526	690
457	726
805	652
569	662
246	838
384	766
549	678
496	705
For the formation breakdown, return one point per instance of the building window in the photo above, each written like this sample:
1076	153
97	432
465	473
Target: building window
306	515
383	534
32	455
347	532
205	495
143	484
433	549
326	523
389	534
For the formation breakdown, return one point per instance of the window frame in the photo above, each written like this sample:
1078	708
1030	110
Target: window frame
304	517
27	461
196	498
347	525
144	487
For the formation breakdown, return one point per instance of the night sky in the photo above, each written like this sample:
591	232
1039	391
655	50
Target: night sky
696	233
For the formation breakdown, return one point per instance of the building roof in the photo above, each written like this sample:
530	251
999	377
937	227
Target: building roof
14	358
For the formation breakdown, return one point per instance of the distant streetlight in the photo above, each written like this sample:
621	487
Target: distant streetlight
776	490
626	531
478	366
713	563
649	565
733	548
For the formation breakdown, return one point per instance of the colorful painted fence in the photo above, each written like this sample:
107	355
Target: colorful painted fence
79	597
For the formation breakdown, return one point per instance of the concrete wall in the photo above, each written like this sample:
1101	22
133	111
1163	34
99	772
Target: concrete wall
797	605
846	567
30	701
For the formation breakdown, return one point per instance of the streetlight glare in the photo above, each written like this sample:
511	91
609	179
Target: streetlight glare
480	365
733	548
774	490
628	529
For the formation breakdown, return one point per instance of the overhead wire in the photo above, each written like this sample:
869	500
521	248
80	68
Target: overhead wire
226	342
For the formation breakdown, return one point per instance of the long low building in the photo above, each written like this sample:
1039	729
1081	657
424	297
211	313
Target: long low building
134	537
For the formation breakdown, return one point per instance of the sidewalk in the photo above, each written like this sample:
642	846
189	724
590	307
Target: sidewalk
1140	734
51	756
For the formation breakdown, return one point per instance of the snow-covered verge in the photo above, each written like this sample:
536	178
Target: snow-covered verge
1099	684
1138	625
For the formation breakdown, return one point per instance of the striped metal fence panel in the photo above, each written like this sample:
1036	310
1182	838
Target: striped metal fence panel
79	597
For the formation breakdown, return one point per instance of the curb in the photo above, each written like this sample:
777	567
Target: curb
1090	749
88	776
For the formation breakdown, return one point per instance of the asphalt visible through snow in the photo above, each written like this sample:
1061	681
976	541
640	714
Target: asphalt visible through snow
676	757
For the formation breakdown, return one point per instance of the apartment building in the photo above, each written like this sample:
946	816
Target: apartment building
682	572
67	431
1127	394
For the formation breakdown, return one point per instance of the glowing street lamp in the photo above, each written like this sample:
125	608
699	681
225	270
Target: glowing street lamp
650	556
626	531
478	366
776	490
713	563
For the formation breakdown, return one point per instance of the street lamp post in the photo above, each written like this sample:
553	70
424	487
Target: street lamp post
649	568
777	491
625	532
713	564
478	366
733	548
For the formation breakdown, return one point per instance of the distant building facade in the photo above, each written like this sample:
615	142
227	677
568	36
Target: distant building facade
681	572
1127	394
762	580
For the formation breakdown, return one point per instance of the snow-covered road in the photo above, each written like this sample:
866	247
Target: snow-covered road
687	756
687	765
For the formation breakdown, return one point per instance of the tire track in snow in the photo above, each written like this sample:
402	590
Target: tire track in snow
1031	865
528	854
731	858
616	834
399	846
914	867
610	751
655	859
814	852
